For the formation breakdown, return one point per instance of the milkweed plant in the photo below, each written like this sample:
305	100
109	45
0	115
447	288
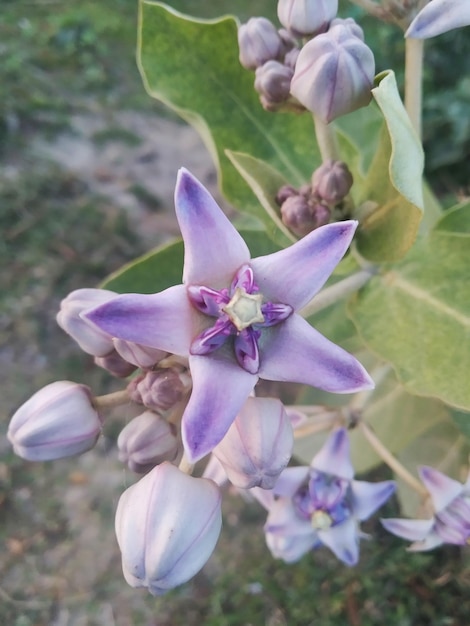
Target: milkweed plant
342	275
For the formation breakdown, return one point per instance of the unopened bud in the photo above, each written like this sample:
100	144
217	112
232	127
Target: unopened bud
158	390
258	445
90	339
146	441
334	74
272	82
138	355
332	181
115	364
286	191
306	17
167	525
58	421
259	42
291	58
350	24
302	216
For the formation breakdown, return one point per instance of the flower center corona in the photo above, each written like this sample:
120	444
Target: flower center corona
321	520
244	309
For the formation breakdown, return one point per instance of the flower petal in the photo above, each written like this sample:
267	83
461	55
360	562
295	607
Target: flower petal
343	541
411	529
283	520
213	249
441	488
295	352
294	275
439	16
368	497
334	457
429	543
220	388
162	320
290	480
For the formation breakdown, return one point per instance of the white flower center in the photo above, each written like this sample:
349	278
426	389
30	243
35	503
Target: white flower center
320	520
244	309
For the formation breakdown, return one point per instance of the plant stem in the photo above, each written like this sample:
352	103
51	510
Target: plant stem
185	466
336	292
388	458
112	399
326	140
414	51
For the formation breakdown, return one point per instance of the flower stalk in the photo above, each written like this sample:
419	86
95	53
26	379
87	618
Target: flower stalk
110	400
414	53
326	140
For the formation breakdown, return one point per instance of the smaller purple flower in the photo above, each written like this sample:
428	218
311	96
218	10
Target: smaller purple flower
451	520
321	504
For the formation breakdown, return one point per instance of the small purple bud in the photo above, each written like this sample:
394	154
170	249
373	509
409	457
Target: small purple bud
115	365
301	217
286	191
334	74
167	525
332	181
146	441
306	17
159	390
58	421
272	82
259	42
291	58
258	445
90	339
140	356
349	23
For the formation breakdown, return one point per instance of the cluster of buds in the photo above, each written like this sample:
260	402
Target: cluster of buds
330	75
314	204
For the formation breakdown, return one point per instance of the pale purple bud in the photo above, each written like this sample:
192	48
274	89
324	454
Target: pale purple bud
90	339
334	74
146	441
140	356
306	17
286	191
115	364
159	390
272	82
258	445
332	181
259	42
58	421
350	24
291	58
167	525
301	216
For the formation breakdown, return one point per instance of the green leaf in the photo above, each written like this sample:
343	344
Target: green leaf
393	185
455	221
192	66
462	421
163	267
417	315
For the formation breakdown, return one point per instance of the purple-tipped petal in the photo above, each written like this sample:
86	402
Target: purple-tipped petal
213	249
334	457
220	388
368	497
246	350
290	480
208	301
283	520
212	338
294	275
411	529
290	548
429	543
295	352
439	16
343	541
163	320
441	488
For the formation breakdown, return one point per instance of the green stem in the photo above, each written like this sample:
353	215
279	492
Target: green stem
326	140
414	52
111	400
336	292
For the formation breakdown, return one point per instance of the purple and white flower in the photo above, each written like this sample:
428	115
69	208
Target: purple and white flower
321	504
439	16
451	520
234	317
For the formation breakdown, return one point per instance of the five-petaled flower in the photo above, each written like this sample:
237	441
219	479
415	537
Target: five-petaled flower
234	317
451	520
321	504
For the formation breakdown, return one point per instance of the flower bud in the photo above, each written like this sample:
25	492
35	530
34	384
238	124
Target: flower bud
146	441
140	356
332	181
306	17
291	58
350	24
272	82
158	390
58	421
286	191
167	525
259	42
258	445
115	364
90	339
302	216
334	74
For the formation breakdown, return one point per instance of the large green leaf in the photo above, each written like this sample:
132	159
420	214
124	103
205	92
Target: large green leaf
393	185
417	314
192	66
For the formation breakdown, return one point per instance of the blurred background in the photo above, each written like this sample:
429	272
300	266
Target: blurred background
87	167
